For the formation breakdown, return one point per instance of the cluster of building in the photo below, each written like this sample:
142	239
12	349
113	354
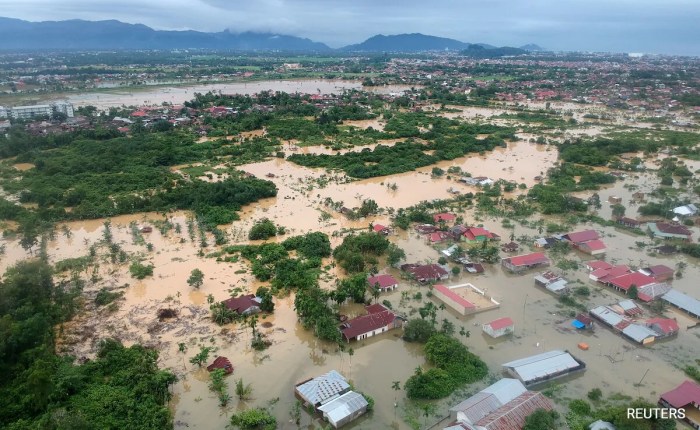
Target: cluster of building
649	282
625	318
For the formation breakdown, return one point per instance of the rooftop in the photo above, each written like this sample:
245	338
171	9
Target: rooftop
323	388
684	394
542	365
454	296
528	259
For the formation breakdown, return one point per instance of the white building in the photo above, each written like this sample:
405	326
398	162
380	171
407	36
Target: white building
29	112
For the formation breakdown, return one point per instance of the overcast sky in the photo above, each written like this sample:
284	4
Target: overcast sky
652	26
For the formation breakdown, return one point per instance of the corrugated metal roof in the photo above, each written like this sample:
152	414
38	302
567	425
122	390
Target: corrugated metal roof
344	406
488	400
513	414
542	365
638	332
683	301
607	315
323	388
557	286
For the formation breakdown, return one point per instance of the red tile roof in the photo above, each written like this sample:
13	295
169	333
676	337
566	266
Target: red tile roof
512	415
454	296
438	236
529	259
686	393
614	272
367	323
242	303
444	217
473	232
582	236
501	323
624	282
384	281
221	363
594	245
378	228
667	325
598	264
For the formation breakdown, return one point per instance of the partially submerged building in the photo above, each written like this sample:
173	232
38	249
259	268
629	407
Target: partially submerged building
552	282
244	305
331	395
522	263
383	282
685	396
455	297
544	367
426	272
683	302
669	231
379	319
500	327
501	406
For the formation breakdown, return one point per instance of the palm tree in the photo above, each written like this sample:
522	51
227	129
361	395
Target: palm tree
243	391
376	293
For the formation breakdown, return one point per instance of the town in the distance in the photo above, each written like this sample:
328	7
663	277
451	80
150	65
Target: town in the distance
406	233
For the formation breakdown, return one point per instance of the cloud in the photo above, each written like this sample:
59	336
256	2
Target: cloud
668	26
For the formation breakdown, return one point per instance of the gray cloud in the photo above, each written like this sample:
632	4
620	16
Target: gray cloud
668	26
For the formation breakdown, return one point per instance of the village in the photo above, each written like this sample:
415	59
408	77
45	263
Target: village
548	299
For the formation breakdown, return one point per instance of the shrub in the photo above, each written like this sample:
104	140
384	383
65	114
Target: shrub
418	330
263	229
140	271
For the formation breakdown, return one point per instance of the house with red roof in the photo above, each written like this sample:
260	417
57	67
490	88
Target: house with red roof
438	237
221	363
244	305
427	272
383	282
686	396
625	282
499	327
380	229
594	265
604	274
444	217
659	272
477	234
521	263
665	327
379	319
587	241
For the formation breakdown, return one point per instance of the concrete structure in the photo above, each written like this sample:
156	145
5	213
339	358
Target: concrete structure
455	297
685	396
344	409
503	405
379	319
544	367
499	327
321	389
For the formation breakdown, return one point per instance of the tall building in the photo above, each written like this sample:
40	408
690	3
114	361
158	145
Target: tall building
29	112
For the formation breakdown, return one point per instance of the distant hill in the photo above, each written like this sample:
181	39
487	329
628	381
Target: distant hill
406	43
532	47
79	34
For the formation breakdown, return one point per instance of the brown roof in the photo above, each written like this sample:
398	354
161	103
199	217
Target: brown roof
221	363
512	415
582	236
428	271
673	228
242	303
374	320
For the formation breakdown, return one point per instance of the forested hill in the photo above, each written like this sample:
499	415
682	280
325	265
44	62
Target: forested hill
79	34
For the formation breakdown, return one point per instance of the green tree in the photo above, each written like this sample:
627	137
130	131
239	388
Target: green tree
196	278
243	390
266	303
254	419
418	330
541	419
202	356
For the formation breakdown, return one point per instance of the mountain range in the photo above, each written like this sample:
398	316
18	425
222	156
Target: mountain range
16	34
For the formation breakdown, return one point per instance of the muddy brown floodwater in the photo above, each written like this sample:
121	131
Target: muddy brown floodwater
613	363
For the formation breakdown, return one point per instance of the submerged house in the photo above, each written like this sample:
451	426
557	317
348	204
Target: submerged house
500	327
659	272
669	231
552	282
587	241
503	405
331	395
525	262
685	396
426	272
383	282
244	305
544	367
379	319
344	409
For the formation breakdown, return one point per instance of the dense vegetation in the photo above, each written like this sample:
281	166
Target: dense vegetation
359	251
122	388
454	367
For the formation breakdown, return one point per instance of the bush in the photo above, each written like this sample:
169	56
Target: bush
254	419
140	271
595	394
580	407
433	384
105	297
418	330
263	229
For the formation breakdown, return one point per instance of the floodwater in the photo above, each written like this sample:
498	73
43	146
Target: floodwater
614	364
181	94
